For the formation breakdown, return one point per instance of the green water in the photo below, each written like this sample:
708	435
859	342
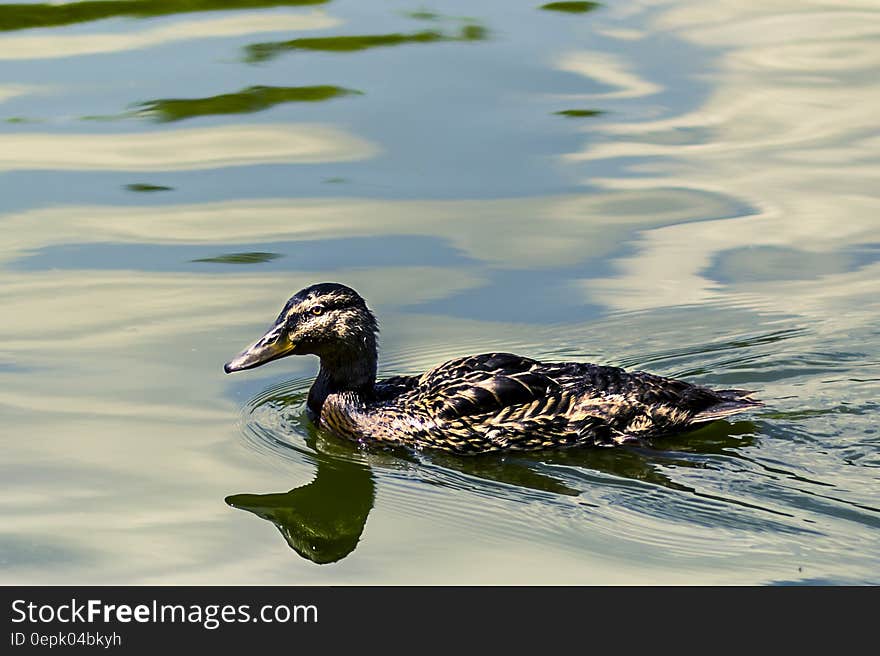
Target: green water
682	186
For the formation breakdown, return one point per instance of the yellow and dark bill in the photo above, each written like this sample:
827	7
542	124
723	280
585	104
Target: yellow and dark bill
271	346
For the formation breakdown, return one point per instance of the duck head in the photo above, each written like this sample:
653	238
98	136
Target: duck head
329	320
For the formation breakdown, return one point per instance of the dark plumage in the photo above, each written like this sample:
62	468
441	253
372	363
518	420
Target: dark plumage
476	404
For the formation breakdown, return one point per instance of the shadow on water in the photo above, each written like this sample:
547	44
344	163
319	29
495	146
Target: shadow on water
29	16
579	113
246	101
571	7
146	188
323	520
250	257
260	52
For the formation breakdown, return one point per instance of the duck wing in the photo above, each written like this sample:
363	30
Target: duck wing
390	388
638	404
491	402
498	401
483	384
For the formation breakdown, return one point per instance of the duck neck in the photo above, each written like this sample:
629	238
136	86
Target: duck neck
348	370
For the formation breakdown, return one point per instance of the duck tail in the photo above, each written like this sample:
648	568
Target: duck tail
730	402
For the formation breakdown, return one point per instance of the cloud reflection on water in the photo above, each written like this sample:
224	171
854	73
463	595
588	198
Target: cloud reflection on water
57	46
785	132
182	149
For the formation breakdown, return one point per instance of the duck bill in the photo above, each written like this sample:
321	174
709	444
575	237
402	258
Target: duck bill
271	346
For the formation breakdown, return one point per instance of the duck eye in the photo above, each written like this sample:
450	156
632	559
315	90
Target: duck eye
318	310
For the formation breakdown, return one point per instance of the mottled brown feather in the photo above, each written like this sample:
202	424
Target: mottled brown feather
500	401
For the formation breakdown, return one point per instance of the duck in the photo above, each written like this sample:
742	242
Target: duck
476	404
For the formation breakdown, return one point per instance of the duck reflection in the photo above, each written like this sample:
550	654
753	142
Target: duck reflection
323	521
647	462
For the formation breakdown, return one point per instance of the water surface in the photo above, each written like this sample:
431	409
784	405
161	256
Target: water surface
682	186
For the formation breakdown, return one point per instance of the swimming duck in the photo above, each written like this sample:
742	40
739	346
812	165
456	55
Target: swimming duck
475	404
